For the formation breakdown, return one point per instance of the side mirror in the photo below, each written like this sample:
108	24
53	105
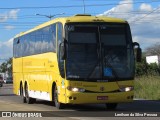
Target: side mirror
139	55
62	50
138	51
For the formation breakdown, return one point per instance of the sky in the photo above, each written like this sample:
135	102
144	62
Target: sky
20	15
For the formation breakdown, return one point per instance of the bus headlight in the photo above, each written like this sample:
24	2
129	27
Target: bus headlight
75	89
126	89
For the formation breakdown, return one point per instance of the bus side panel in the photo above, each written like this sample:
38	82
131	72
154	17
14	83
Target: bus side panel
17	75
40	71
52	71
34	72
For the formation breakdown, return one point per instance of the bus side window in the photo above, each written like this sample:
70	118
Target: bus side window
53	38
17	46
15	42
59	41
60	34
18	41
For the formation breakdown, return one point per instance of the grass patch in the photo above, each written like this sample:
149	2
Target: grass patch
147	87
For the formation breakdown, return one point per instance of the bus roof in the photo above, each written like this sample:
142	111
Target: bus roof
76	18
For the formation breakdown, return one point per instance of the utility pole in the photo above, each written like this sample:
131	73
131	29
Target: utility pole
50	16
84	7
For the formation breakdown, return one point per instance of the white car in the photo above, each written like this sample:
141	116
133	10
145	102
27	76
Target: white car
8	80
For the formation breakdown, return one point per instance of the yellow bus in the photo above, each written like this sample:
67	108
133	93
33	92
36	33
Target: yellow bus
76	60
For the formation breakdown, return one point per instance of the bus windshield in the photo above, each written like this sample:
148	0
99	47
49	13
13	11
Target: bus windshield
99	52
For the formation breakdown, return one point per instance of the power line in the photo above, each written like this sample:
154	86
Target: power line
115	13
71	6
114	0
4	59
144	15
130	12
35	22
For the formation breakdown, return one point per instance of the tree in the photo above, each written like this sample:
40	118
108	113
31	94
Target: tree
6	66
3	67
153	50
144	68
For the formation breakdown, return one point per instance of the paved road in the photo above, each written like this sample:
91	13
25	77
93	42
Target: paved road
11	102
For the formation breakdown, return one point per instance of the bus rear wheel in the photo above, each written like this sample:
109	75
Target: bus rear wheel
29	100
111	106
57	103
22	94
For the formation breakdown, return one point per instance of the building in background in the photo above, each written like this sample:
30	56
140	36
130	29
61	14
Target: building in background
153	59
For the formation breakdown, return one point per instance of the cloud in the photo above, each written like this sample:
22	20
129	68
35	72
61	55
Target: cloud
6	49
9	15
119	10
9	43
143	21
13	14
145	7
145	41
3	17
9	27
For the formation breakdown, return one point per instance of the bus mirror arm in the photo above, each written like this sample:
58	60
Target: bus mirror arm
138	51
135	44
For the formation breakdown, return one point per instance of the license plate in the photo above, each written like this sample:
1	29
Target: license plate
102	97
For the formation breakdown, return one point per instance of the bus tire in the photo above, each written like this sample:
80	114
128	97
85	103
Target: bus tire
57	103
22	94
29	100
111	106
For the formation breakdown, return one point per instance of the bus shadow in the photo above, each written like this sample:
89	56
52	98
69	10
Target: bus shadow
7	95
77	107
136	106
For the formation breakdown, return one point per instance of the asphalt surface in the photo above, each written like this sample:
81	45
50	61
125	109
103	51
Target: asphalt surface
139	108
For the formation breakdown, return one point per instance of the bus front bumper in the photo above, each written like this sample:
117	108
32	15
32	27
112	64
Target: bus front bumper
82	98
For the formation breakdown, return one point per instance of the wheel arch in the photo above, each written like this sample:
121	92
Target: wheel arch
53	87
20	85
25	84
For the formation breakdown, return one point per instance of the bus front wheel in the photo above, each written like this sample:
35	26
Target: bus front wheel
57	103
